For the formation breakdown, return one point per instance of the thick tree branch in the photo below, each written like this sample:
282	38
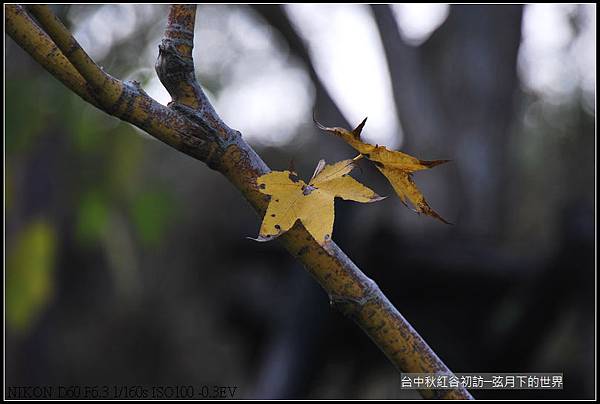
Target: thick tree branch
190	125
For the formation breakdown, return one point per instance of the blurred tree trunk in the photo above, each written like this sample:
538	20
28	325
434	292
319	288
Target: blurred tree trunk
455	93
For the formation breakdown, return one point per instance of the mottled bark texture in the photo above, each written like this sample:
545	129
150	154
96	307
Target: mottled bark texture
190	125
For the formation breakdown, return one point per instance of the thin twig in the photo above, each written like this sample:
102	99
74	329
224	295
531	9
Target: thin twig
107	88
39	45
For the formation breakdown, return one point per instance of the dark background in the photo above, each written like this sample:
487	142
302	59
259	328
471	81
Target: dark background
128	263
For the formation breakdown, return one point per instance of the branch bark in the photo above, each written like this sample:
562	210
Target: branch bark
191	125
39	45
106	88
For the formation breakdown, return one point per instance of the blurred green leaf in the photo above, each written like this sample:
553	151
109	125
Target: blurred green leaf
151	213
126	157
25	118
29	274
36	106
88	129
92	216
92	131
9	188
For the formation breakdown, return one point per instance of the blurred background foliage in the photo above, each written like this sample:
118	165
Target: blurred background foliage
127	262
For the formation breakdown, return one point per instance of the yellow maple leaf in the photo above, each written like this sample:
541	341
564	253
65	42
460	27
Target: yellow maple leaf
396	166
313	203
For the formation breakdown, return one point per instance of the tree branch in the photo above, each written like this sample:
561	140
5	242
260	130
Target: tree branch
39	45
106	88
175	65
190	125
175	69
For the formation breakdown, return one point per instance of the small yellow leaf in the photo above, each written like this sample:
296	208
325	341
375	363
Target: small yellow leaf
396	166
313	203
